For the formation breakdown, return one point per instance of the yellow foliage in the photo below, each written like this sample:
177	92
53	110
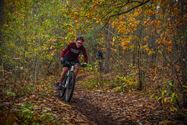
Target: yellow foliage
149	12
125	44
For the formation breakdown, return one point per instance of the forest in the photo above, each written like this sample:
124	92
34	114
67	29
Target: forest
141	78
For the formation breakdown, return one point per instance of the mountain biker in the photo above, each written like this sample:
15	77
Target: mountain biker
71	54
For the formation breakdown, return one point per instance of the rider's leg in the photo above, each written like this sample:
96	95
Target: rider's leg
76	69
64	71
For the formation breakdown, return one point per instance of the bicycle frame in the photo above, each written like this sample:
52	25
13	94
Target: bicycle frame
69	84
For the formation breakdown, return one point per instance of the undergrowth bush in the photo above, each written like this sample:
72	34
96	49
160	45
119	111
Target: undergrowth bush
124	83
167	96
29	116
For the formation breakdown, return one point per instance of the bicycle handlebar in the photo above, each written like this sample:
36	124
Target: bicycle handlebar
73	63
83	64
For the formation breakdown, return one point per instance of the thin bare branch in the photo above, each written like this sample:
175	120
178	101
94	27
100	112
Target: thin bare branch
142	3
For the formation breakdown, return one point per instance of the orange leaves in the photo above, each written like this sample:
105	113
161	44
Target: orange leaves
89	15
151	22
175	11
75	16
150	12
155	1
165	41
125	42
127	23
148	50
52	40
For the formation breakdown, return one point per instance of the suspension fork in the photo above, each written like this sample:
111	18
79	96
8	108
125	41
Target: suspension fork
69	75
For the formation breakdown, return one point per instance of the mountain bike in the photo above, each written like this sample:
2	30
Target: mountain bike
68	85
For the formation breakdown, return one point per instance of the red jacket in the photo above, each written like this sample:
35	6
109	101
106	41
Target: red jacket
72	52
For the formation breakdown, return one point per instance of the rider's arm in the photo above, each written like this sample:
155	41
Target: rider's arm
64	51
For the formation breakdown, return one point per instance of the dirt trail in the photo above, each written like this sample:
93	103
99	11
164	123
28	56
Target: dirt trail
97	107
113	109
109	108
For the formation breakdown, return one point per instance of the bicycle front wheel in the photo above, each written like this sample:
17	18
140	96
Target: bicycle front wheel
70	88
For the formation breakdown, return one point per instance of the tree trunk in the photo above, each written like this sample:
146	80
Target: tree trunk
140	84
1	24
1	11
134	56
1	37
140	35
184	73
183	61
108	40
